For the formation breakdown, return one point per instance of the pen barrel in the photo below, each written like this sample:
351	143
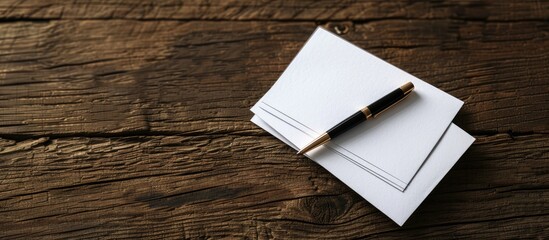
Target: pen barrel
387	101
346	124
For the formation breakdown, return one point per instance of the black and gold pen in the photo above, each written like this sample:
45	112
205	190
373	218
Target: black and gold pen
368	112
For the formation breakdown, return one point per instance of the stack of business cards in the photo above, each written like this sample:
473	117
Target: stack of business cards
393	161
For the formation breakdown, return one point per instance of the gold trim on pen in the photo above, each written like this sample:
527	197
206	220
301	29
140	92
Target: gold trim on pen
367	112
407	87
352	120
318	141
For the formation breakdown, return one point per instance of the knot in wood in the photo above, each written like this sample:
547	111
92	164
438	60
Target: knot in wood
341	29
325	209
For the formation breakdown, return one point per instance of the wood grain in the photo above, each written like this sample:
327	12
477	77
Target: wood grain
96	77
129	119
323	10
251	186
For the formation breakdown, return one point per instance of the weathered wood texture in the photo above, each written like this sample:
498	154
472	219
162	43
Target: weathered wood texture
126	119
73	77
219	185
280	10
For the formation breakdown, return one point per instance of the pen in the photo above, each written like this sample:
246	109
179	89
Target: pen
368	112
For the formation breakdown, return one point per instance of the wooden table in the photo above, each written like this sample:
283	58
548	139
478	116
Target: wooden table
130	119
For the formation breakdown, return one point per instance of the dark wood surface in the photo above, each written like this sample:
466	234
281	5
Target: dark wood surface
130	119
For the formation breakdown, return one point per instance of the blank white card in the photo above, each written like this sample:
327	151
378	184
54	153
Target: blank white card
397	205
330	79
